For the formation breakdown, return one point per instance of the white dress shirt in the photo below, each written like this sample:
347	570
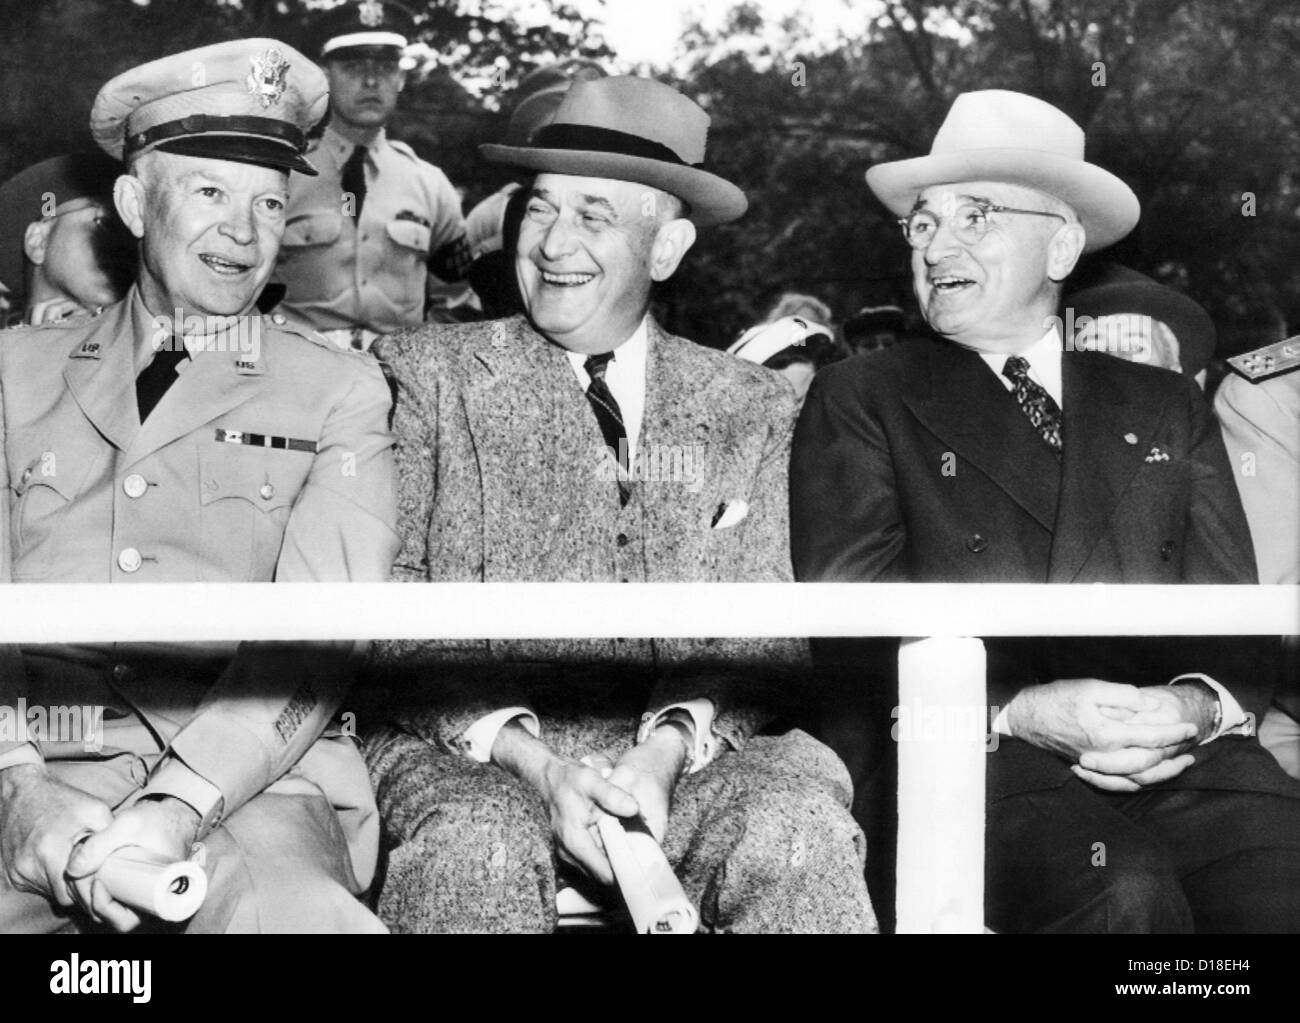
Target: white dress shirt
625	376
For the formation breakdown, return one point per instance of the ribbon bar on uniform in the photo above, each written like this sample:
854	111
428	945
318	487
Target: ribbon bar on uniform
259	440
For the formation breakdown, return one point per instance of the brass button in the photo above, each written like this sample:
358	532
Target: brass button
976	543
135	485
1166	550
129	560
267	491
27	475
278	319
622	540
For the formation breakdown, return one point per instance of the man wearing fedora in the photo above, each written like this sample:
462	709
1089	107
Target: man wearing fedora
181	437
583	443
1127	794
363	236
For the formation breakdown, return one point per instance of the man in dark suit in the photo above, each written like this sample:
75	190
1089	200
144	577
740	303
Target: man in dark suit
987	454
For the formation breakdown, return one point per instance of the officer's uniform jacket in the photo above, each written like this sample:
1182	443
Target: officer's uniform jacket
371	272
267	461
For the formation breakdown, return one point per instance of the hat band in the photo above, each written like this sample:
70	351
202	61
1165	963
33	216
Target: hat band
588	138
207	124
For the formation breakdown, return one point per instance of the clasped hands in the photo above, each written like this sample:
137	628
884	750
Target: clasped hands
1121	738
576	793
54	838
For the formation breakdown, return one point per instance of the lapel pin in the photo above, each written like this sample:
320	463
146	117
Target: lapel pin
1130	438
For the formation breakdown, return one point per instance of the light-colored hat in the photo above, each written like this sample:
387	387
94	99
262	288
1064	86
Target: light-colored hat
630	129
758	344
248	100
995	135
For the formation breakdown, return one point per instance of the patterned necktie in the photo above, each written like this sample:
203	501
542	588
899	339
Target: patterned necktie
609	416
354	180
158	376
1043	412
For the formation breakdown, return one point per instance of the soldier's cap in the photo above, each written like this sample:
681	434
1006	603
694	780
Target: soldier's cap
248	100
33	193
367	25
630	129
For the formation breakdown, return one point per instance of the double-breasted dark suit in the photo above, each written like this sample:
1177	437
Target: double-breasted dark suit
917	464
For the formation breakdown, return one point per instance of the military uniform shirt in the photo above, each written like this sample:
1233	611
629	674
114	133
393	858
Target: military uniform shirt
370	272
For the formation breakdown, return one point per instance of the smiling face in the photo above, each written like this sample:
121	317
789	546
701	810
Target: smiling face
999	293
364	86
589	250
210	231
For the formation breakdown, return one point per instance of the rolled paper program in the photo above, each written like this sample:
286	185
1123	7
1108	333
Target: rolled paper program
171	890
940	728
655	899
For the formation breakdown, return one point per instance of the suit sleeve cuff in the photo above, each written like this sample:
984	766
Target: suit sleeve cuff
1232	719
173	778
26	754
697	716
479	737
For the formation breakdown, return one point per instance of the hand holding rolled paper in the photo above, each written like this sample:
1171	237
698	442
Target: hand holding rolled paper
655	898
171	890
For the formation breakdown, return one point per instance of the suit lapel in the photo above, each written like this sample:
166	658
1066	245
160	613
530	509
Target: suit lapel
538	445
969	410
1106	437
100	375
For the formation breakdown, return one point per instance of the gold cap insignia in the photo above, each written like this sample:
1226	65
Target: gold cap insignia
266	81
372	13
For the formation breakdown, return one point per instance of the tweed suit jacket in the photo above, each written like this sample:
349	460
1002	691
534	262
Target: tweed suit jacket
916	465
504	477
83	482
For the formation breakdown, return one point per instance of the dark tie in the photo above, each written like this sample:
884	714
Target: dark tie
158	376
609	416
354	180
1043	412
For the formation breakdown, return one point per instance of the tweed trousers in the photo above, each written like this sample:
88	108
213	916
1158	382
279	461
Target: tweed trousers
760	839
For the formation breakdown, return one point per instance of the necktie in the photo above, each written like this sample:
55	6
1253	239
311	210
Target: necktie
354	180
1043	412
609	416
158	376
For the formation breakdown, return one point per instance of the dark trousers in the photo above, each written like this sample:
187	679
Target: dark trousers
1169	860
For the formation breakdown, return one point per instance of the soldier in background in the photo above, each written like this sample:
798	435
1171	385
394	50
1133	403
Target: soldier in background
363	238
64	253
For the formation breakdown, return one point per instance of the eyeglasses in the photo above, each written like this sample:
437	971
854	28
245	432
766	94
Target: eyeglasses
969	223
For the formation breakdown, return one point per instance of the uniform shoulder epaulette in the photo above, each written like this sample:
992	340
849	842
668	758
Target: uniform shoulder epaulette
1270	361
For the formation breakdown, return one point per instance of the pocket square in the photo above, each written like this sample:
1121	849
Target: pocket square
1156	455
729	513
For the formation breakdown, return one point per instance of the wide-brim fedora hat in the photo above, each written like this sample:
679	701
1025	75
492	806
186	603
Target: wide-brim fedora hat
630	129
1114	290
997	135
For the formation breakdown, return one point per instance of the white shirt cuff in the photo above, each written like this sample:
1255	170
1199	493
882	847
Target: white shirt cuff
479	737
1232	719
701	713
27	753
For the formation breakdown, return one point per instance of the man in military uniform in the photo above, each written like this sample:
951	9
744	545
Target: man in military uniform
62	248
181	437
364	236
